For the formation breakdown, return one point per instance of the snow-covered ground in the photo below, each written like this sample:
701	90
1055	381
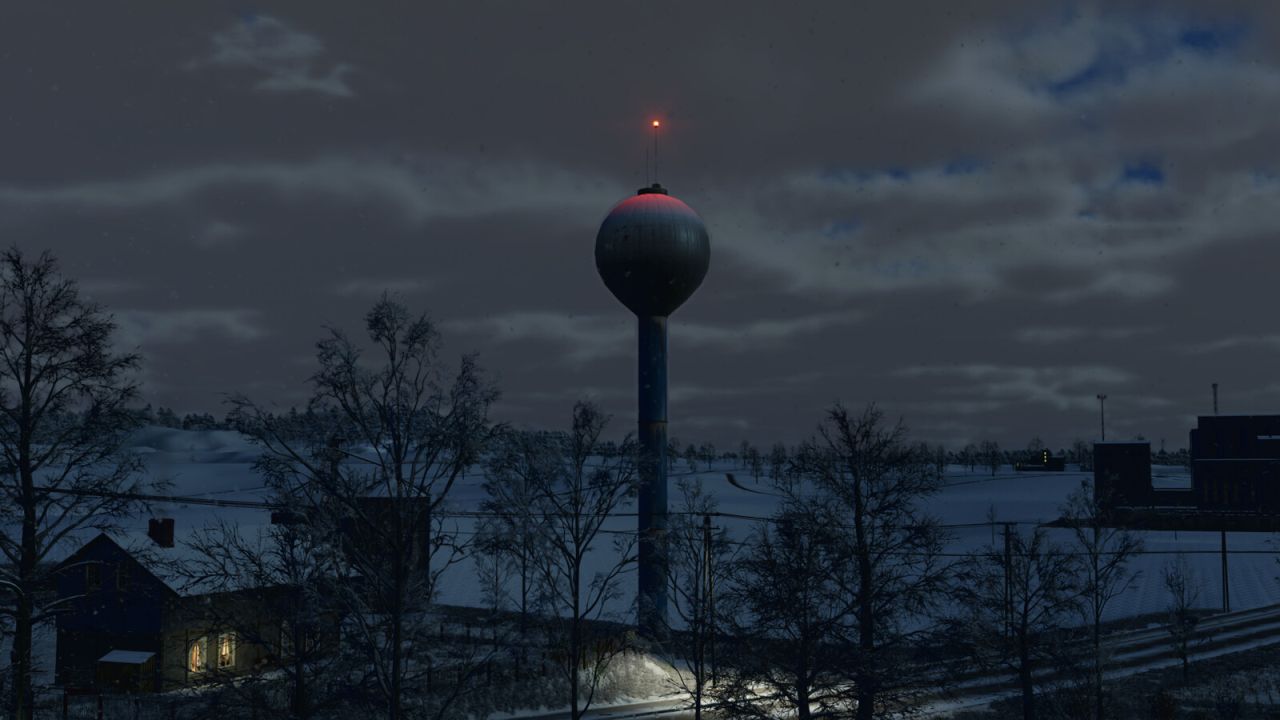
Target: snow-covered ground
218	465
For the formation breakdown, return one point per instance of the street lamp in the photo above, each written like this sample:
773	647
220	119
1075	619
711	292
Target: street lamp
1102	414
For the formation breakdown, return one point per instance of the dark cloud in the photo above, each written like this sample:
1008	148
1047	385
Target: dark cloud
979	216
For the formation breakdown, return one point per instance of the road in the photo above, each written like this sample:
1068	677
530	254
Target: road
1132	652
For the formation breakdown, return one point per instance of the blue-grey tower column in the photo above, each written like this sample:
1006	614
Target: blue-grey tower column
652	434
652	252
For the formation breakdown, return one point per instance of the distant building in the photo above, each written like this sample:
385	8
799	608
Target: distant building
1122	474
1045	461
1235	463
1235	468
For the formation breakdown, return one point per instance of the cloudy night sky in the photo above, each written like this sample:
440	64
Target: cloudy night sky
979	218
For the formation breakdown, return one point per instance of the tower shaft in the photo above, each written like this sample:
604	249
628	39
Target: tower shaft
652	611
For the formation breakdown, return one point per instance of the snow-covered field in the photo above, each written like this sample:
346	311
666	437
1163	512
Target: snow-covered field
218	465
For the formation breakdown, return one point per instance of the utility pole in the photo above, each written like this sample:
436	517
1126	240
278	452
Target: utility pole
1215	398
1008	581
1226	586
1102	414
709	599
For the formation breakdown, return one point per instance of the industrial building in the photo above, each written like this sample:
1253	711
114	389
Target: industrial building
1235	463
1235	467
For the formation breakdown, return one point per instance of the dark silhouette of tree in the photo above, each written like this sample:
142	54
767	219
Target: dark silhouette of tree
1184	593
872	482
787	613
1015	600
574	492
991	456
514	531
777	462
372	460
1105	551
285	575
64	415
699	560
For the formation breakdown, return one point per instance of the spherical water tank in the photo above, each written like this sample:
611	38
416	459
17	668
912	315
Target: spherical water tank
652	252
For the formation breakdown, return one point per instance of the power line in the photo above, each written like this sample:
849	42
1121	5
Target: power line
472	514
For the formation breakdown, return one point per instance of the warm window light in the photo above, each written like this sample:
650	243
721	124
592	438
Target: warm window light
195	656
226	651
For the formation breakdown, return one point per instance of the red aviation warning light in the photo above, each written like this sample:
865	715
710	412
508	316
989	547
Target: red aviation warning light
654	124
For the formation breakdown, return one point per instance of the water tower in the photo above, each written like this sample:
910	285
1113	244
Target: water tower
652	252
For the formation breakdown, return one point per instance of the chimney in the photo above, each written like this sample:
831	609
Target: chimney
160	530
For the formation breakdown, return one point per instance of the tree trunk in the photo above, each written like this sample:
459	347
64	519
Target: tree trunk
802	701
397	639
866	616
575	647
524	589
1026	681
1099	712
299	704
699	670
20	658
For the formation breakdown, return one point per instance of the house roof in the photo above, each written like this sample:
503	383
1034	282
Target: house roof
153	566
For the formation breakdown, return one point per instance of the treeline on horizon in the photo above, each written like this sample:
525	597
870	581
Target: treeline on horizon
746	456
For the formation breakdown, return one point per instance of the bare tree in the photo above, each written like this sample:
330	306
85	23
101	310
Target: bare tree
991	456
872	483
939	457
777	462
64	416
691	457
512	500
493	564
786	613
708	453
699	561
1015	601
1105	551
373	460
1082	454
575	491
1184	593
756	462
285	575
1035	450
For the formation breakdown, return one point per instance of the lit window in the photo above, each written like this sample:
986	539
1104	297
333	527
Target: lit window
226	650
197	655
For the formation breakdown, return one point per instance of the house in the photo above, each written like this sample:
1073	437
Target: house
122	626
127	623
